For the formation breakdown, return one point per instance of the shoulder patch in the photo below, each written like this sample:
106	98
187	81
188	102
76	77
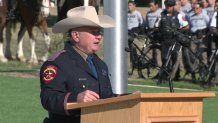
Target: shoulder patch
49	73
56	55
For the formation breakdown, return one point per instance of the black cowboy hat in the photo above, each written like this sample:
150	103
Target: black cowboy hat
170	2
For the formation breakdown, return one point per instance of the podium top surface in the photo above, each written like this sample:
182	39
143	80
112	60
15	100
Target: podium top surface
73	105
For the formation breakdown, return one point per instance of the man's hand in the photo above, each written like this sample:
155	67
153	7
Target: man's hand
137	92
87	96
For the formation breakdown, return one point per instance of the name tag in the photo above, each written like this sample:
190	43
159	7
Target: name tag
82	79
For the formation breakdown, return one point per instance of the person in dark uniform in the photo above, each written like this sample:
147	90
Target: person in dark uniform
214	31
170	19
214	28
75	74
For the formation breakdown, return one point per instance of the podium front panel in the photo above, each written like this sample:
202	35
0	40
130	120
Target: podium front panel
121	112
173	110
144	108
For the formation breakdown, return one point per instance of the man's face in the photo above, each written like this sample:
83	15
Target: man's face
193	2
197	9
184	2
177	7
131	7
211	2
204	3
169	9
87	39
153	7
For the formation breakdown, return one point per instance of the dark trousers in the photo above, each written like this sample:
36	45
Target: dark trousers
173	56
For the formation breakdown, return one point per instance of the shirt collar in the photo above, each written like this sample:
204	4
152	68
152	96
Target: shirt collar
81	53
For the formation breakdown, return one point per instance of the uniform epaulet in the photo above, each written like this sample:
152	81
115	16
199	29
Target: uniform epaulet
56	55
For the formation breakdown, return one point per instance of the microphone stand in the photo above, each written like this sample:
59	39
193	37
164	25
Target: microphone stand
162	68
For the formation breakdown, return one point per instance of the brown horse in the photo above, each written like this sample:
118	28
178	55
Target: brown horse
30	15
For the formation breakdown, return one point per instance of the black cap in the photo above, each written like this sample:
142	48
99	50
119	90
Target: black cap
170	2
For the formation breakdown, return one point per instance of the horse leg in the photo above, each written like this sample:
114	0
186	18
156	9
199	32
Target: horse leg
8	41
48	49
86	2
33	58
2	56
44	28
21	33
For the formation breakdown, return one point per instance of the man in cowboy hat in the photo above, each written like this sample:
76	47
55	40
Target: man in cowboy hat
76	74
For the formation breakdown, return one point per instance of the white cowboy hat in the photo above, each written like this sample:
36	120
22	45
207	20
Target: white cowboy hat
83	16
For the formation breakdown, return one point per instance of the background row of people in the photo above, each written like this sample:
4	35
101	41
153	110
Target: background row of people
194	18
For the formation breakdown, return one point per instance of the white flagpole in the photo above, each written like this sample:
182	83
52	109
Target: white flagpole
115	41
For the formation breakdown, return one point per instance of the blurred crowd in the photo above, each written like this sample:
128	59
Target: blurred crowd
185	30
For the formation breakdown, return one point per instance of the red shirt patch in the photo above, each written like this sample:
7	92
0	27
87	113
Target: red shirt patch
49	73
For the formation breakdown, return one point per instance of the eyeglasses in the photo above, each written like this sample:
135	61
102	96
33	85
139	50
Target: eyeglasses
96	32
92	30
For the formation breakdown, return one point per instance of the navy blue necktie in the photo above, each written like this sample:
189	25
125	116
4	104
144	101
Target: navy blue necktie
91	66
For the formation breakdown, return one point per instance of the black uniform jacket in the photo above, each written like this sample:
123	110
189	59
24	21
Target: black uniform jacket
65	75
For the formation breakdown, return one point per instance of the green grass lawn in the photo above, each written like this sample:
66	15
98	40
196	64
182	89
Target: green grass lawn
20	102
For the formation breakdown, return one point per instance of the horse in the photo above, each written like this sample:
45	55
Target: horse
64	5
30	15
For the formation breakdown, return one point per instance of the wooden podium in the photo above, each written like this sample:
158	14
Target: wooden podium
144	108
